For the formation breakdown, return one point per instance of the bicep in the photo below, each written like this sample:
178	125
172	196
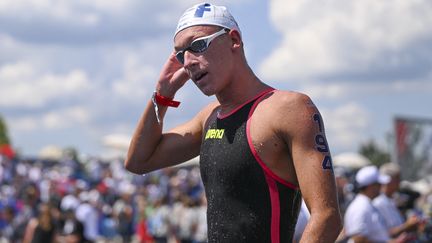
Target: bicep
311	158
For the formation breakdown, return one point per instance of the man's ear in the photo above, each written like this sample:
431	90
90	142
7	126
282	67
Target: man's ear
235	38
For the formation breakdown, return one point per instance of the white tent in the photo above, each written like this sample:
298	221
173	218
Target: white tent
51	152
350	160
116	141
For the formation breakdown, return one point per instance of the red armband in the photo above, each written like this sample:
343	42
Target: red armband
165	101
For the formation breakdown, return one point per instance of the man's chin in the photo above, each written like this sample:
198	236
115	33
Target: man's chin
207	92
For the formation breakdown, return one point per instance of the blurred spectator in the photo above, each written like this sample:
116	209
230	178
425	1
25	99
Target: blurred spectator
123	211
71	200
393	220
30	199
344	188
302	221
186	224
143	233
200	232
362	221
10	228
159	221
406	200
71	230
41	229
88	214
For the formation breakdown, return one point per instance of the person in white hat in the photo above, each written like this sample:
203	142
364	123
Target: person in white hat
261	149
362	221
393	219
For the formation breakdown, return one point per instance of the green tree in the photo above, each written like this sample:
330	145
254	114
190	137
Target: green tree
4	139
374	153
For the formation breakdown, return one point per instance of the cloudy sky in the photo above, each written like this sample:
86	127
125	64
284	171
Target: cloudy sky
73	73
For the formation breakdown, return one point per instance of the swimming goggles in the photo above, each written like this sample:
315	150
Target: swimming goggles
199	45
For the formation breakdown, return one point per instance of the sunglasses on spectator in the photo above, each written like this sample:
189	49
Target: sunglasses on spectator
199	45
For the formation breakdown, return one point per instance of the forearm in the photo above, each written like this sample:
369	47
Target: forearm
394	232
147	136
322	227
404	228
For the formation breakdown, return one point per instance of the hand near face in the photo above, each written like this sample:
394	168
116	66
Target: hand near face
172	77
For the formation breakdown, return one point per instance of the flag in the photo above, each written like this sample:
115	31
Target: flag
413	147
401	132
6	150
5	147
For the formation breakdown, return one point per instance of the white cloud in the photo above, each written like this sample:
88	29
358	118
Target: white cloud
51	9
84	22
63	8
65	118
51	120
346	125
6	41
333	91
23	85
23	124
336	36
138	79
415	86
345	89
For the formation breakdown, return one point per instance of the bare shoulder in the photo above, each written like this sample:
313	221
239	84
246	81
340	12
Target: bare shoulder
197	123
289	108
291	99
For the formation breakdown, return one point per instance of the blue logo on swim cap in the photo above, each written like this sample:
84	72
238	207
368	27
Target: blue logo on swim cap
201	8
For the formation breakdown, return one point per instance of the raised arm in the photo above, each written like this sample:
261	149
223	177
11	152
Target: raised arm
150	149
304	132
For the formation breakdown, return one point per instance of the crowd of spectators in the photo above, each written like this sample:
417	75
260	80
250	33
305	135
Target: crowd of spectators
68	200
94	200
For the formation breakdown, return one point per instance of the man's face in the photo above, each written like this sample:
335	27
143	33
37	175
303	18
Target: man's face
394	183
209	66
376	188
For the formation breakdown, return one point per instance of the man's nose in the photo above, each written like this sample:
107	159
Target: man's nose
190	59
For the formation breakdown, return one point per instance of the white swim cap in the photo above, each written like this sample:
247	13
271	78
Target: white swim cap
206	14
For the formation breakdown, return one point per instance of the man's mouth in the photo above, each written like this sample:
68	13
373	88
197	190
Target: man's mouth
197	77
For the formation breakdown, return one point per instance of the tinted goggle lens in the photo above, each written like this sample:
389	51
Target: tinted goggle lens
196	46
180	56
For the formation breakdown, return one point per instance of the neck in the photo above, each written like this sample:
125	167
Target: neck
388	193
368	194
244	85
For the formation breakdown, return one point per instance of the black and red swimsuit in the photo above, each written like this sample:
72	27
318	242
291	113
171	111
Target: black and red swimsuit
247	202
